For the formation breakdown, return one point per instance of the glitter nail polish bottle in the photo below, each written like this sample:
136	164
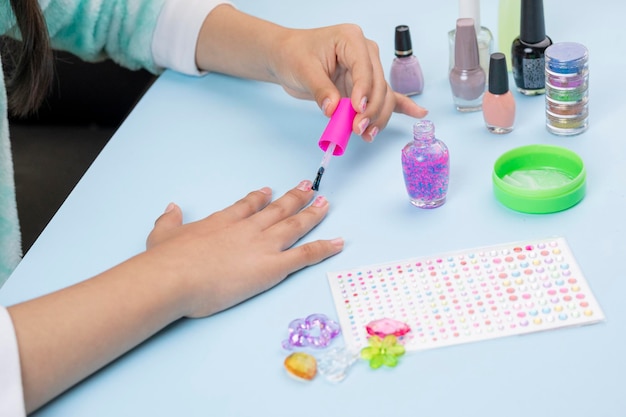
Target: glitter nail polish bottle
426	167
467	78
406	75
528	49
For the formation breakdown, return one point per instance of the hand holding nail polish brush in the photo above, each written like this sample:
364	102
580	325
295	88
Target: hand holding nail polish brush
334	139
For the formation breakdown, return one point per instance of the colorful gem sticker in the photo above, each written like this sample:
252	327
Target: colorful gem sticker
467	296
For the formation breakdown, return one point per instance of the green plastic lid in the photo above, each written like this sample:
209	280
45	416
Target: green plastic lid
539	179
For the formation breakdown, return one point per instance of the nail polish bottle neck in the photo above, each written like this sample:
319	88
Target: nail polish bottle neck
424	132
532	23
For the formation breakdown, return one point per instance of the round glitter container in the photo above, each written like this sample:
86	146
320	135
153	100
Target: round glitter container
539	179
567	58
567	95
568	123
567	88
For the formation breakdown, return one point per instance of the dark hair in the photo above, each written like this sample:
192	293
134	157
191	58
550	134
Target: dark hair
30	60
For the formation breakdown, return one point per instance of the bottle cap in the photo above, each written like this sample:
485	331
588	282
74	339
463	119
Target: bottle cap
498	74
471	8
539	179
403	41
339	128
532	25
465	45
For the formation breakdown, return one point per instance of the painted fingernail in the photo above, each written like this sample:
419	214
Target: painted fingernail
266	190
305	185
373	133
337	242
169	208
325	104
363	124
363	104
320	201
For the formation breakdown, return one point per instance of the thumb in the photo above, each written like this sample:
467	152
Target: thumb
171	219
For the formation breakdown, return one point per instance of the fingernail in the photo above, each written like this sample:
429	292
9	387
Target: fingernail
169	208
305	185
373	133
320	201
337	242
363	104
363	124
325	104
266	190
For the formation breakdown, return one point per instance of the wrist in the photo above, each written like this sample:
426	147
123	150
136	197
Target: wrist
157	280
235	43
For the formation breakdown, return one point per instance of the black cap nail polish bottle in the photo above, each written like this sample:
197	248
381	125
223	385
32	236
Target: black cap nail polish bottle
528	49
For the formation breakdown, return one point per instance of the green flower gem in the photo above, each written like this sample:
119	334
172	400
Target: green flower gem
382	351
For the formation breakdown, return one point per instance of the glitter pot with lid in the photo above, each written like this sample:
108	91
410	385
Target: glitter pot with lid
567	88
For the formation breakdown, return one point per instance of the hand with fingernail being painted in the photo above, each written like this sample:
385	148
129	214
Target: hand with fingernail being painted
242	250
188	270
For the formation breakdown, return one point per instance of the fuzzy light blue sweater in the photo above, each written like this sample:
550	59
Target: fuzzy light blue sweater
94	30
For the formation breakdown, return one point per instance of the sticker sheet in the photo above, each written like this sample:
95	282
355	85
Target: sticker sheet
467	296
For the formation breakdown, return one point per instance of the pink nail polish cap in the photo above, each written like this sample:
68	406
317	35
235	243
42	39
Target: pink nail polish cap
339	128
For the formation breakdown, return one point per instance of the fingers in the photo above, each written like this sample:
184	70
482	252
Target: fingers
406	105
311	253
371	95
344	61
250	253
286	220
364	78
375	115
287	232
337	61
243	208
286	206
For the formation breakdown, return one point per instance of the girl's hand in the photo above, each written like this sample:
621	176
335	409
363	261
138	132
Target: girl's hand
242	250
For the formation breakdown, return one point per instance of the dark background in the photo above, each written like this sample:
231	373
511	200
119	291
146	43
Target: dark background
53	148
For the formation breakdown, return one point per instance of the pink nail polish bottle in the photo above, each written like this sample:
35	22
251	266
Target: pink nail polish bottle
498	101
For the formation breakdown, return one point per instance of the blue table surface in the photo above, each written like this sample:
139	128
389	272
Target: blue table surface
205	142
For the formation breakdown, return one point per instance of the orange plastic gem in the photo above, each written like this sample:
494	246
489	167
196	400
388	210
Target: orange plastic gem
301	365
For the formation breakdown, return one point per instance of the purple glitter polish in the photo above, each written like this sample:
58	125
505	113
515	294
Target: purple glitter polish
426	167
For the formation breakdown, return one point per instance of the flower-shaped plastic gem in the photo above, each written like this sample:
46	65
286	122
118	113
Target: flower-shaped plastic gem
315	331
382	351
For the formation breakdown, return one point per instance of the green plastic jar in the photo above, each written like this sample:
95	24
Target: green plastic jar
539	179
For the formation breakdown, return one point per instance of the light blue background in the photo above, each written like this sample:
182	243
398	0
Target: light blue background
205	142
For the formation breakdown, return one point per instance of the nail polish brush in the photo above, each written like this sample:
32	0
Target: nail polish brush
335	137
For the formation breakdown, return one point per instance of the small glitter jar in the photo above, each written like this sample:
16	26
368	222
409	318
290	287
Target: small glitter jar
567	88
